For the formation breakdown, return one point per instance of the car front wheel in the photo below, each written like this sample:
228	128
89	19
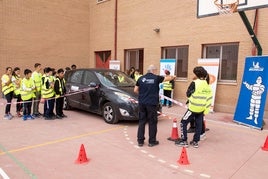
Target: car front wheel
109	113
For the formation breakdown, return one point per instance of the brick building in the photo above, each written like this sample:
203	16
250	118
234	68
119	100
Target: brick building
89	33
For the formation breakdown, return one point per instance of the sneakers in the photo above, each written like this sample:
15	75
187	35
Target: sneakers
203	136
181	143
140	144
58	117
30	117
19	114
8	116
153	144
63	115
194	144
24	117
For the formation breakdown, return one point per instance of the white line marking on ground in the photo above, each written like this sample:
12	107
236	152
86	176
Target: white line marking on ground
174	166
144	151
161	161
151	156
126	135
127	138
131	142
205	175
4	175
189	171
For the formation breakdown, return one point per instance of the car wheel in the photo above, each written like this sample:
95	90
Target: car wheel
109	113
66	105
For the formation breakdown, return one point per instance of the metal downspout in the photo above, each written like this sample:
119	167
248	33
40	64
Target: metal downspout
115	30
250	31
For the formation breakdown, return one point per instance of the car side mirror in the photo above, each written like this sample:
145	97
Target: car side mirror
92	84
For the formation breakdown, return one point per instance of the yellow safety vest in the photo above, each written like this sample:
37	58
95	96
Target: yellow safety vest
16	89
47	93
167	85
136	77
7	88
200	100
121	79
25	94
37	78
60	87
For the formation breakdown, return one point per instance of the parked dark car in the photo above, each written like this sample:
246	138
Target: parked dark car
102	91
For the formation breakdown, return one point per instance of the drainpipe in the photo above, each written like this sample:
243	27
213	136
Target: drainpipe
251	32
115	30
255	29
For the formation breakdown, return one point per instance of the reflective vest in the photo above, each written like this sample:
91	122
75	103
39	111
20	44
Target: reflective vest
47	93
27	93
15	86
121	79
200	100
7	88
136	77
37	78
60	86
167	85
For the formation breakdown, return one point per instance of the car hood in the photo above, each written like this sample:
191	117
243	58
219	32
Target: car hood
126	89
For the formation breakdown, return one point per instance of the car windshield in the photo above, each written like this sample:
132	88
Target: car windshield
115	78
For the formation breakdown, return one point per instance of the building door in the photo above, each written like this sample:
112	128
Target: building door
134	58
103	59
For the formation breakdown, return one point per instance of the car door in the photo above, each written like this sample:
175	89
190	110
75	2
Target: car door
73	87
90	97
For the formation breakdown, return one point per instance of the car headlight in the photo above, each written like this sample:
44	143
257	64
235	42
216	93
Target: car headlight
125	97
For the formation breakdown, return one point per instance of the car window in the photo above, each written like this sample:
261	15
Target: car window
76	77
115	78
88	78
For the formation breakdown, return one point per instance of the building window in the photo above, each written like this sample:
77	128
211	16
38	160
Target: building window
180	53
228	55
134	58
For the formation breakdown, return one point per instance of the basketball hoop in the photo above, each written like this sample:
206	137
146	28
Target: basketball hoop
227	8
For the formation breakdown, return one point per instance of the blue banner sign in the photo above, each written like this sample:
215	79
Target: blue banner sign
251	102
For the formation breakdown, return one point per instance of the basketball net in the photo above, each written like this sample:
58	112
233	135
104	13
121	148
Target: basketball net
226	8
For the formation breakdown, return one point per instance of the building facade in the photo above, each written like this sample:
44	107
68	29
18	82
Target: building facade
137	33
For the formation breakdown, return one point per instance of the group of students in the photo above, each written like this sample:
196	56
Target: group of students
32	89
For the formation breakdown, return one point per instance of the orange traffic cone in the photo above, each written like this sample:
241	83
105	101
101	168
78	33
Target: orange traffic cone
265	146
183	159
174	132
82	156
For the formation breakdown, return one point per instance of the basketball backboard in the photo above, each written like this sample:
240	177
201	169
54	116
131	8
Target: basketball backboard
208	8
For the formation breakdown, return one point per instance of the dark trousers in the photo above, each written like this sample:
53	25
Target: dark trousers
8	97
147	113
48	108
192	125
18	105
188	117
167	93
59	106
27	106
36	103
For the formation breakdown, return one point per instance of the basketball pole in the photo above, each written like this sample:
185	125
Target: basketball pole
251	32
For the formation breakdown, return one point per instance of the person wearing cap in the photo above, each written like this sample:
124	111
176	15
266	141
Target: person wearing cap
199	103
147	87
168	87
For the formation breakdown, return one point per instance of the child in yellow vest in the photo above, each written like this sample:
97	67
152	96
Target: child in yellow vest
27	94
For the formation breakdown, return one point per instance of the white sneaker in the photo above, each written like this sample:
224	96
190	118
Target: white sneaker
203	137
6	116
